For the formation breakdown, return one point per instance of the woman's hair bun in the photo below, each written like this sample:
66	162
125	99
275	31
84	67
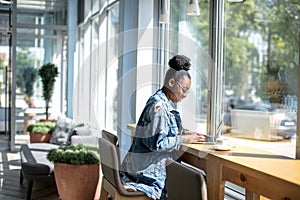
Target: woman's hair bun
180	62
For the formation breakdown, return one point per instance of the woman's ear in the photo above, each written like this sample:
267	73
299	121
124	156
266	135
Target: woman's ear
172	82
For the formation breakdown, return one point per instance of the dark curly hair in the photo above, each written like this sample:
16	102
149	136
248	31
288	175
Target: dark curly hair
179	66
180	62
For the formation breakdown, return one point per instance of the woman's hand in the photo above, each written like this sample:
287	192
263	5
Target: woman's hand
191	137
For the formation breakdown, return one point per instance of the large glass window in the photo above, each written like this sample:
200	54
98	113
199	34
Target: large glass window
83	80
261	55
98	65
38	36
4	67
112	68
189	35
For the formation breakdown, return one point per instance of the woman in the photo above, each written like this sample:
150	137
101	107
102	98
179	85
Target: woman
159	133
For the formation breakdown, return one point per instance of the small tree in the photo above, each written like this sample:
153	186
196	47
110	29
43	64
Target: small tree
48	73
29	78
26	73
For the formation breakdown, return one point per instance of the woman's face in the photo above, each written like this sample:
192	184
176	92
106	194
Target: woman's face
179	89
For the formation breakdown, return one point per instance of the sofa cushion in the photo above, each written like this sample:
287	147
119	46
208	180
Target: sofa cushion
85	134
83	129
62	131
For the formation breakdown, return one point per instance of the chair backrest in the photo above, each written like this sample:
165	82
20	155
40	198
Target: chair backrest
184	182
110	137
109	162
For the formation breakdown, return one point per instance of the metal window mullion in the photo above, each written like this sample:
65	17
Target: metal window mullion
12	71
215	72
298	114
106	67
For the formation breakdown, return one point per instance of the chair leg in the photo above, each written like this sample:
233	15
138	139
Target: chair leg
103	194
29	189
21	177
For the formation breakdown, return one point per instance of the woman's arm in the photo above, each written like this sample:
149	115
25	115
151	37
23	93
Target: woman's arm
192	136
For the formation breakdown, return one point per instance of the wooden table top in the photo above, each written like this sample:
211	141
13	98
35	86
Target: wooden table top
262	168
279	166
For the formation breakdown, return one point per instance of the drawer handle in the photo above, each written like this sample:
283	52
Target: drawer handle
243	178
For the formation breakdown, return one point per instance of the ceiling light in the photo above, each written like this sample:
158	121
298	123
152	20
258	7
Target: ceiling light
164	15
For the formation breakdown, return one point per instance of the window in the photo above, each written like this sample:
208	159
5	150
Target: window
82	83
97	75
38	37
112	68
261	55
189	35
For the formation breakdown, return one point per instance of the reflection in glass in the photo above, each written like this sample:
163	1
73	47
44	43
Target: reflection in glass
189	36
39	30
261	62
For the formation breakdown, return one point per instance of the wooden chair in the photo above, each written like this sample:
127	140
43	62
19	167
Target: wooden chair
110	137
184	182
111	182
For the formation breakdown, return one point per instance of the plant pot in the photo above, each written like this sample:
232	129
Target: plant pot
273	85
80	182
47	120
39	137
28	122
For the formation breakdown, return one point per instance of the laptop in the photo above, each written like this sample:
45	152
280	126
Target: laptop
252	124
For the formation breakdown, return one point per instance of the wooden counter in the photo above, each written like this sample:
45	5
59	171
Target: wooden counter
259	172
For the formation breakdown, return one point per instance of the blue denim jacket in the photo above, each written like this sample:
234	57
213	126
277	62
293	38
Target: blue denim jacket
157	138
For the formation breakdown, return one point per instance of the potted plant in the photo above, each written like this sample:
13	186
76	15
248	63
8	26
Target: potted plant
274	88
77	171
26	78
48	73
40	131
29	75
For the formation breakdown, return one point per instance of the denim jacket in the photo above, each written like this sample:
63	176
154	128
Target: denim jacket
157	138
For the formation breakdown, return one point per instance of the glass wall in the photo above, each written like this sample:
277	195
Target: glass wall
261	55
96	80
189	35
255	68
4	66
112	68
83	80
39	37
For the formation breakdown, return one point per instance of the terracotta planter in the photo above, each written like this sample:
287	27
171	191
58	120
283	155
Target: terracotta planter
273	85
49	120
39	137
80	182
28	122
